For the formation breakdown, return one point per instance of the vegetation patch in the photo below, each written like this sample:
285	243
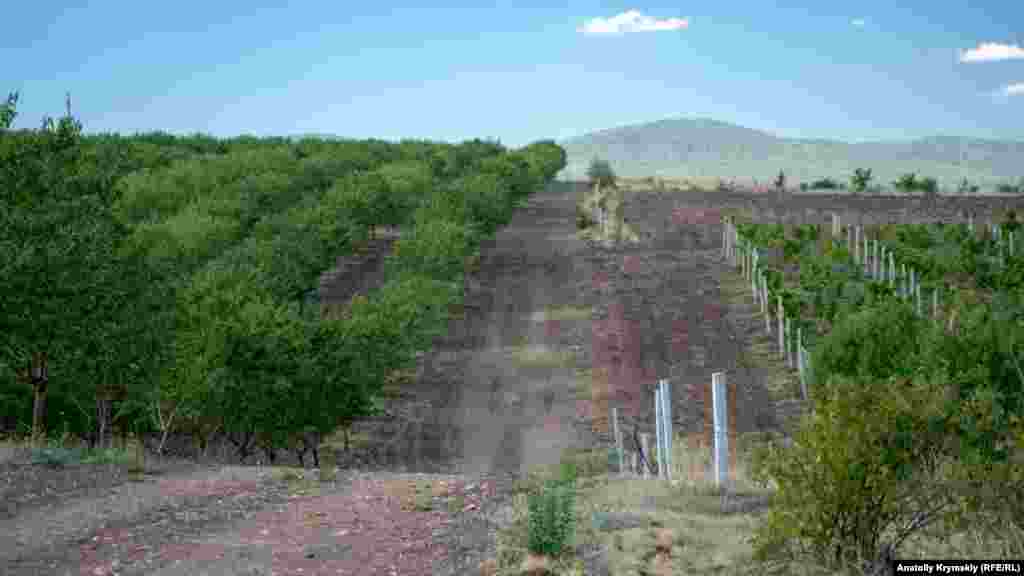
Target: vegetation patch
567	313
540	356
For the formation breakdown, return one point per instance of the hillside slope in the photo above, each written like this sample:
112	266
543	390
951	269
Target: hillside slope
702	148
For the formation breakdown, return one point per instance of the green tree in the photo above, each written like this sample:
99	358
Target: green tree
600	173
966	187
906	183
62	283
929	186
780	180
860	179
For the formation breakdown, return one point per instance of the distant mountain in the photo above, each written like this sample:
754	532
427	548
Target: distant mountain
703	148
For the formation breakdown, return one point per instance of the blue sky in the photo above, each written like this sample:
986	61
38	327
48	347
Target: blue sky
520	71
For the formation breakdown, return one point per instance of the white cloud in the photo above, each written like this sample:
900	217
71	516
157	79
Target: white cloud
1014	89
631	21
858	22
992	51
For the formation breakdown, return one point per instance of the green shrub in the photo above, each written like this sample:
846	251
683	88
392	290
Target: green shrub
551	516
56	456
825	184
860	179
434	248
583	220
866	464
876	342
600	172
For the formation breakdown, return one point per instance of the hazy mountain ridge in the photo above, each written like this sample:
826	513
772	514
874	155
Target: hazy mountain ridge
704	148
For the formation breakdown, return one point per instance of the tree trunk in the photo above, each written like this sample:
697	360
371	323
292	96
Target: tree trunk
103	414
38	410
39	378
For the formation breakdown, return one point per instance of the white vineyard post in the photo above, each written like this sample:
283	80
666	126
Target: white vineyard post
666	414
755	258
915	284
789	347
721	429
755	291
659	433
917	298
733	254
755	278
741	260
748	259
892	270
736	242
883	267
742	257
618	440
904	286
760	289
806	356
935	303
767	305
874	274
856	245
755	263
752	264
782	330
887	271
725	239
633	464
800	360
865	256
645	443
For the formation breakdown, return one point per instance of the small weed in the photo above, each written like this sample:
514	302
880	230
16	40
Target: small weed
424	498
328	464
551	516
56	456
108	456
456	503
416	495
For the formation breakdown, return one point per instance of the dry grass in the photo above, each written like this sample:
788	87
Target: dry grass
650	526
9	450
567	313
690	526
669	184
539	356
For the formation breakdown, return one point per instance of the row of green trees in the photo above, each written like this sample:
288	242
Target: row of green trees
917	426
169	295
861	182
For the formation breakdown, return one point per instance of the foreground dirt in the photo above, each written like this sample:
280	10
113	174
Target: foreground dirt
246	520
